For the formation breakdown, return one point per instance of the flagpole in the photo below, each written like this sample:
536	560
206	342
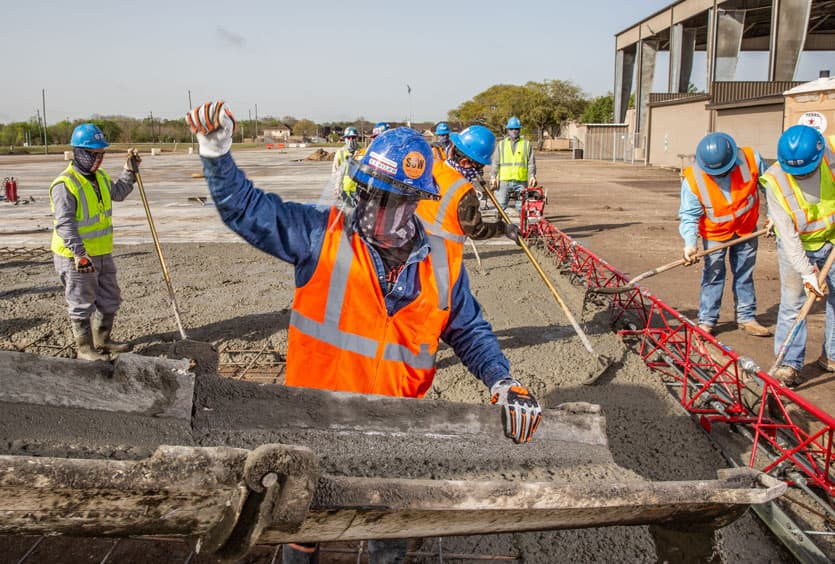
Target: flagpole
409	91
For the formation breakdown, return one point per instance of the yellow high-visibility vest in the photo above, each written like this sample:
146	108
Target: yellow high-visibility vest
93	214
513	165
814	223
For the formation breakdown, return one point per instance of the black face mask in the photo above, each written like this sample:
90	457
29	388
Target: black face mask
87	162
385	219
443	139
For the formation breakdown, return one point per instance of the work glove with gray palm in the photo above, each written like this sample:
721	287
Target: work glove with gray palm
214	124
511	231
521	413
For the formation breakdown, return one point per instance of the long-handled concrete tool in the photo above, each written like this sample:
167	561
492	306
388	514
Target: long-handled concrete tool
134	165
804	311
674	264
602	361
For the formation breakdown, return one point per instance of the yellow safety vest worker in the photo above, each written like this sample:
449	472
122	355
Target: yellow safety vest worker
93	213
814	223
513	165
348	184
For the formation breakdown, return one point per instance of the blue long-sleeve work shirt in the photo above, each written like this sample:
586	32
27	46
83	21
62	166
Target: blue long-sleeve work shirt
691	209
295	233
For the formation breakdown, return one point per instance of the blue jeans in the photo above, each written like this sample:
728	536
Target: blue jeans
506	187
792	297
742	258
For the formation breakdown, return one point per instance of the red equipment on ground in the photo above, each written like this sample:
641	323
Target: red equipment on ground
10	187
532	211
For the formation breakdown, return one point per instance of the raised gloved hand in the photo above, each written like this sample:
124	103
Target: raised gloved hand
689	255
214	124
521	413
811	286
84	264
132	157
532	181
511	231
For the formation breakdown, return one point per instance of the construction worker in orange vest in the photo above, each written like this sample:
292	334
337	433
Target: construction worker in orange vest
456	215
374	293
800	188
720	201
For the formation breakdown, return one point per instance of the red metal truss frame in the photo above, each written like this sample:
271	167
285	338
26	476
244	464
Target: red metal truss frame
711	380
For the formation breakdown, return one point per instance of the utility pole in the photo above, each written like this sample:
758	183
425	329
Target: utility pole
250	123
153	134
40	124
256	122
45	140
189	109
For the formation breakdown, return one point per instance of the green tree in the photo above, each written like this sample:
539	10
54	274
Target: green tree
304	128
600	110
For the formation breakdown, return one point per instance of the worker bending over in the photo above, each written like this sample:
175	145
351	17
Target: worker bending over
800	188
456	215
82	241
720	201
374	292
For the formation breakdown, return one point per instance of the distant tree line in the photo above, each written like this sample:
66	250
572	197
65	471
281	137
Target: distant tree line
541	106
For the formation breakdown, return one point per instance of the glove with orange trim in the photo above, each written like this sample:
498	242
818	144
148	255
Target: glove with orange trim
84	265
521	413
214	124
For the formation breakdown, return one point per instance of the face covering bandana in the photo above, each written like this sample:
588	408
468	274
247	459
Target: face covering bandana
443	139
513	133
87	162
385	221
470	173
351	144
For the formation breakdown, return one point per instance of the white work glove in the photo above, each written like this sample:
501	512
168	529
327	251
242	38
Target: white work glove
521	413
811	286
532	181
84	265
769	227
689	255
214	124
133	154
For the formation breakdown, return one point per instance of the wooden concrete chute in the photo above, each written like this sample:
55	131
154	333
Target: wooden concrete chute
227	500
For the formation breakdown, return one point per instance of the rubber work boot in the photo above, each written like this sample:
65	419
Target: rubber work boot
753	328
102	327
826	364
706	327
789	376
83	334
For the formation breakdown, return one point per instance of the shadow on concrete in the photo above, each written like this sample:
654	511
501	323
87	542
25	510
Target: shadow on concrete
11	294
9	327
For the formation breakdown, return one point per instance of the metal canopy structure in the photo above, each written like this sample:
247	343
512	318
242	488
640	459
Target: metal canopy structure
784	28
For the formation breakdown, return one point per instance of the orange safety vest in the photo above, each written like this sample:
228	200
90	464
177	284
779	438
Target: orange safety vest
439	152
342	338
440	217
722	218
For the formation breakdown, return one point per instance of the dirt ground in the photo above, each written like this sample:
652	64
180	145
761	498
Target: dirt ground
239	298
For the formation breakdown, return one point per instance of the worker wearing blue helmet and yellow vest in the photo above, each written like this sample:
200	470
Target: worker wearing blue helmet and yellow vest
374	293
800	189
457	214
514	164
720	201
82	241
346	187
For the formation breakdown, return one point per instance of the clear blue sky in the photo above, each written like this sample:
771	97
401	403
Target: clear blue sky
321	59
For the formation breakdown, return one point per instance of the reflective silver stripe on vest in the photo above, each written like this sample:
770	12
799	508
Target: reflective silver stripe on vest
440	267
704	195
785	187
437	226
99	233
86	219
328	331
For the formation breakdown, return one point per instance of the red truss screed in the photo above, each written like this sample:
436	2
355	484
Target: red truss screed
708	378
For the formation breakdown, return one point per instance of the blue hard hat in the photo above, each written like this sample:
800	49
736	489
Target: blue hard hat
88	136
379	128
716	153
351	132
513	123
398	161
476	142
800	149
442	128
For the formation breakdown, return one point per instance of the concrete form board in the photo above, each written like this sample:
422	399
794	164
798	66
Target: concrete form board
758	127
669	138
